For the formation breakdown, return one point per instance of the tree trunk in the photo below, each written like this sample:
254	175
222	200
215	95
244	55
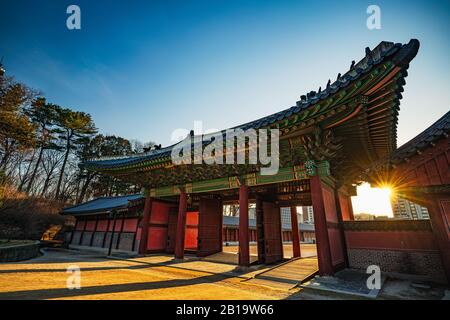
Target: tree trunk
6	155
33	175
63	168
46	183
4	161
24	179
84	188
111	187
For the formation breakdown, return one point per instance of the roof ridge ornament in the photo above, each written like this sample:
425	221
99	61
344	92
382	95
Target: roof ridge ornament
369	56
310	94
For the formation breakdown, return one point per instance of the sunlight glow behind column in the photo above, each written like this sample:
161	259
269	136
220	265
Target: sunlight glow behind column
375	201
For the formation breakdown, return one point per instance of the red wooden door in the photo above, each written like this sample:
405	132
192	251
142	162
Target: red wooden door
272	232
210	227
191	233
157	231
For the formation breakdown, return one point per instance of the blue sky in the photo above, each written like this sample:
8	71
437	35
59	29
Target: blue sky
145	68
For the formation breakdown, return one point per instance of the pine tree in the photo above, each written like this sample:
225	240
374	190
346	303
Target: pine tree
44	116
74	128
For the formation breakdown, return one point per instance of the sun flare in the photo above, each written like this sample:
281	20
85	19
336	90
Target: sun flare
375	201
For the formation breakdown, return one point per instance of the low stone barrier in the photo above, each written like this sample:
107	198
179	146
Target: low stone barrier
18	252
396	246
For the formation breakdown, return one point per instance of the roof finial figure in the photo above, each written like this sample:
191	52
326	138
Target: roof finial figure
369	55
328	83
352	65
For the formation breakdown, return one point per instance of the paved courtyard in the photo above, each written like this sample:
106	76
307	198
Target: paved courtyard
160	277
151	277
307	250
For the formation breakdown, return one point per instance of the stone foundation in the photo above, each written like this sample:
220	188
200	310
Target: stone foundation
101	239
97	241
426	265
126	241
19	252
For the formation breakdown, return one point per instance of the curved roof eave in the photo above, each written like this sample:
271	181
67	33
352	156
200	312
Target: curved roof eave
401	55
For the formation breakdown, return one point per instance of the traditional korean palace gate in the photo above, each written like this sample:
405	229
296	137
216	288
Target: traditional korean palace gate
326	140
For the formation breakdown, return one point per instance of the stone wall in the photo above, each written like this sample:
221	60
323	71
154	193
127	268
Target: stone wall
427	265
98	238
19	252
402	247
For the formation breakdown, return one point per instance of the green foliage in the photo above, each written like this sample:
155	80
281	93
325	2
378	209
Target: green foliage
42	145
45	115
75	124
17	131
75	128
104	146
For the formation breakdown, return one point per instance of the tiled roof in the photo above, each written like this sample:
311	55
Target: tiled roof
438	130
103	204
400	54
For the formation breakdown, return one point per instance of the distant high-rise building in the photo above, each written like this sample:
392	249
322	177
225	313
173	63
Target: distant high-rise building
232	210
304	214
404	209
286	216
364	217
307	215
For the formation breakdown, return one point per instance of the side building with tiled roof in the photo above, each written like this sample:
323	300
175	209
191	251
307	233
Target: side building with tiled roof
419	171
115	222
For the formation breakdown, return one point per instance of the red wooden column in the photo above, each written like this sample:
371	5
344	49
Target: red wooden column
295	235
350	208
181	226
440	229
321	228
145	224
340	216
244	252
260	229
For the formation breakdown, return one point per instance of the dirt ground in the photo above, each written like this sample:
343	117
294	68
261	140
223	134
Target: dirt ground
161	277
151	277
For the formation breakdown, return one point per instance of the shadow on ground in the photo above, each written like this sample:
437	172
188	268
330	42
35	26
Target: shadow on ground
106	289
